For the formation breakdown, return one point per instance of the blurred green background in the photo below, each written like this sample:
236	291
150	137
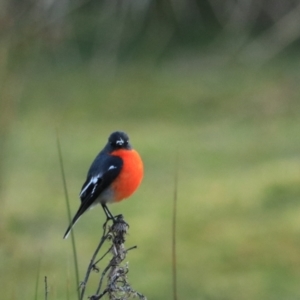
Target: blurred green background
215	83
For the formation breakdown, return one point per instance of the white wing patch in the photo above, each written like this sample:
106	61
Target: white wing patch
111	167
93	181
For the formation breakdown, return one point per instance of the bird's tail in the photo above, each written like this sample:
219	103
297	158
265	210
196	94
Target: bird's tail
73	222
83	207
68	231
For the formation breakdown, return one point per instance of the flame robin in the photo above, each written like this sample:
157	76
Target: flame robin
115	174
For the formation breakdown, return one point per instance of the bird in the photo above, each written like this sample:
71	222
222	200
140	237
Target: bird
114	175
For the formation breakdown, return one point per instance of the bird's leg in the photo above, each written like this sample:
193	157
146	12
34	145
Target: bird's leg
108	214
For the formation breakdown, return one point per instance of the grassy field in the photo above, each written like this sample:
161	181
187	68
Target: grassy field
236	133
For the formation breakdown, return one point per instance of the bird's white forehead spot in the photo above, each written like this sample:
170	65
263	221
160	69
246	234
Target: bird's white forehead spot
120	142
112	167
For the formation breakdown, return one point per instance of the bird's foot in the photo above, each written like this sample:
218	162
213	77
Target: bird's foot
119	224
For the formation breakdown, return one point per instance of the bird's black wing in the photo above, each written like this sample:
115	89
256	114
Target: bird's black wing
103	171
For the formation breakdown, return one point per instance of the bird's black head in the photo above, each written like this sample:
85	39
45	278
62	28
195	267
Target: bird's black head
119	140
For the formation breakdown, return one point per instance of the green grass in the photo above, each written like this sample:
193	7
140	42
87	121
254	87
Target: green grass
236	133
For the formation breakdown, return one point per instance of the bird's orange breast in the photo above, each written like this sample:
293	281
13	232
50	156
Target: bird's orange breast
130	176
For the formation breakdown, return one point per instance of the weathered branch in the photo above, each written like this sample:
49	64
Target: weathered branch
117	286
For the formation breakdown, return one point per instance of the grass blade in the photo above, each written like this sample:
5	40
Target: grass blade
174	219
37	278
69	213
46	287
